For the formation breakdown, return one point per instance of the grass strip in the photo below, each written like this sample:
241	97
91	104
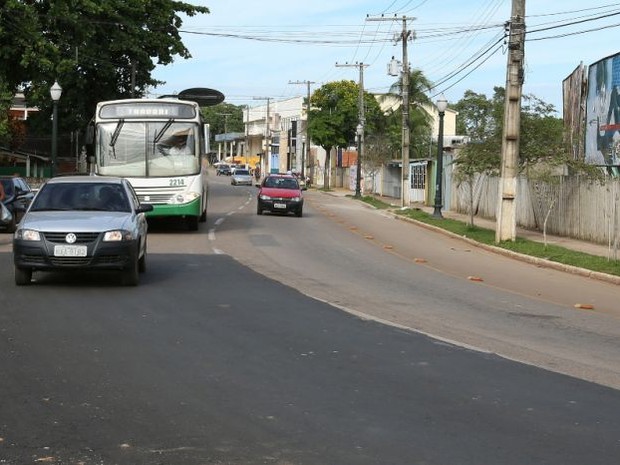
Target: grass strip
520	245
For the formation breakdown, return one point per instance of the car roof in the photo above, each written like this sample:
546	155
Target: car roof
85	179
280	175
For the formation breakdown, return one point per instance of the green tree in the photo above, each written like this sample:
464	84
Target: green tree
420	121
95	50
334	116
222	118
542	151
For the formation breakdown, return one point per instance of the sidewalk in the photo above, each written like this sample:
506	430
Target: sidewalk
566	242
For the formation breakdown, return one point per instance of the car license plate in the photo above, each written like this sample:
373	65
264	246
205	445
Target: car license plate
69	250
279	205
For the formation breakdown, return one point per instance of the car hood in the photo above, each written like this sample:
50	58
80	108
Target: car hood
76	221
282	193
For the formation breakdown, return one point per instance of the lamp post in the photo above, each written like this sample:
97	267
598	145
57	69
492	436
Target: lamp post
303	157
359	131
55	92
442	104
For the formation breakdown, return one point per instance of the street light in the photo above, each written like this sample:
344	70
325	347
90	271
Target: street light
441	104
359	131
55	92
303	157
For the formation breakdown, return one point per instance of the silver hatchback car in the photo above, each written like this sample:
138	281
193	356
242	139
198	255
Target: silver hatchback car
78	223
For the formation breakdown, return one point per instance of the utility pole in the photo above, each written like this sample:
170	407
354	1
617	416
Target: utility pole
266	166
360	126
406	131
506	228
307	148
226	115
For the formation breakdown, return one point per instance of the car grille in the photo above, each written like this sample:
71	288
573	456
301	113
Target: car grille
81	238
120	260
70	261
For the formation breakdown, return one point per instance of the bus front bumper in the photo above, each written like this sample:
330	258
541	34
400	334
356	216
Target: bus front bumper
186	209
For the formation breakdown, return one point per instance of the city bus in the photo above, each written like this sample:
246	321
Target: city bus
159	145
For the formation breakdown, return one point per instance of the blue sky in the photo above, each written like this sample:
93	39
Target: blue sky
248	49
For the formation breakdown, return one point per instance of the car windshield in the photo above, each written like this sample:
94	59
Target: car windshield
81	196
281	183
242	172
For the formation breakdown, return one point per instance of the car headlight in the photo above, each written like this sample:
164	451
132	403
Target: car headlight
117	235
295	199
265	197
27	235
184	198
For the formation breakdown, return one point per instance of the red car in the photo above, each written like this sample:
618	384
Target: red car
280	193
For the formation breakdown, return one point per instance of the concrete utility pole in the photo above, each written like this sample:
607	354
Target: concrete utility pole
506	212
360	126
266	166
406	131
226	115
307	148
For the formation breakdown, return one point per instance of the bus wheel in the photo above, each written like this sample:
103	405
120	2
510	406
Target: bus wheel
192	223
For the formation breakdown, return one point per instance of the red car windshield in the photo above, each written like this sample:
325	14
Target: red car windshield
281	183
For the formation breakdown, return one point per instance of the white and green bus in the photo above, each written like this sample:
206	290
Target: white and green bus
159	145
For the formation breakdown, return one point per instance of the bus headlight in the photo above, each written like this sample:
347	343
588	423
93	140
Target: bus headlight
186	197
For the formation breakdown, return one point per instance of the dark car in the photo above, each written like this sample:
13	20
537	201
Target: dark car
223	170
78	223
280	193
17	198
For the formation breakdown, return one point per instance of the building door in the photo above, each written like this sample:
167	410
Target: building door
417	181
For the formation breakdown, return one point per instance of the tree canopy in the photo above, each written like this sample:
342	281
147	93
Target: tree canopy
420	121
95	50
334	115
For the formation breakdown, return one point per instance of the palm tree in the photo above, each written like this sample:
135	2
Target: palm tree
420	120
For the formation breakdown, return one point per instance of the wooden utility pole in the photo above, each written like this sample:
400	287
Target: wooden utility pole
406	131
506	228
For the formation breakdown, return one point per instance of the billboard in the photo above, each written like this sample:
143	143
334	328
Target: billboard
573	92
602	141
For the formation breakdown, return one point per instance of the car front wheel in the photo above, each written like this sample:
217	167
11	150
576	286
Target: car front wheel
23	276
131	274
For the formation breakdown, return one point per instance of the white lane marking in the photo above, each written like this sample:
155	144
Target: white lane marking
218	252
211	235
219	221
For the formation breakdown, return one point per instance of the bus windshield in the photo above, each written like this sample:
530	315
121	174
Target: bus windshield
147	148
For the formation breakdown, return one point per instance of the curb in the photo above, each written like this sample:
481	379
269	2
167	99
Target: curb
542	262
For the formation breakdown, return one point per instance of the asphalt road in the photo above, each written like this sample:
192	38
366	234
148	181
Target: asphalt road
213	361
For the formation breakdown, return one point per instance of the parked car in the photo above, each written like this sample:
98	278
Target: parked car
241	177
78	223
280	193
17	198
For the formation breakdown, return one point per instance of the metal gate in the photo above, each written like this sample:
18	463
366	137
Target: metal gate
417	181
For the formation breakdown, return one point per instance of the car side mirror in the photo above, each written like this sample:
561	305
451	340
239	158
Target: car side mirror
144	207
